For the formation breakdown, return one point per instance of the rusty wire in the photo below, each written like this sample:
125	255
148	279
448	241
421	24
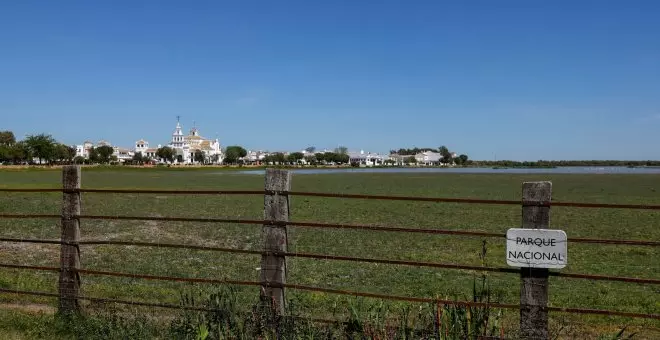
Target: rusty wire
339	258
28	216
167	278
179	219
26	267
171	245
104	300
359	294
477	201
170	192
304	224
31	190
331	257
356	227
603	312
349	196
447	302
33	240
606	278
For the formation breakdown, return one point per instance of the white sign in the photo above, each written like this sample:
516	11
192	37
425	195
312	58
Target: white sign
536	248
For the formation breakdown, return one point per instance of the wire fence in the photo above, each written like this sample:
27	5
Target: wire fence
278	223
334	258
345	196
307	224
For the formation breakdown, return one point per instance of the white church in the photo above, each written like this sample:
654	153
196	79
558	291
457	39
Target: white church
186	146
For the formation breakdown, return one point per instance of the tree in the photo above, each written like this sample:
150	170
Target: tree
326	157
310	149
199	156
463	158
446	155
277	158
103	154
7	138
339	158
320	157
64	153
234	153
410	160
311	160
411	152
166	153
295	157
19	153
138	158
179	158
79	160
342	150
94	156
42	146
5	153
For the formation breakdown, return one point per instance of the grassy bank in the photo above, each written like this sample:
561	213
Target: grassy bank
398	280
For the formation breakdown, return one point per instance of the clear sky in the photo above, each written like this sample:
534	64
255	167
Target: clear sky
521	80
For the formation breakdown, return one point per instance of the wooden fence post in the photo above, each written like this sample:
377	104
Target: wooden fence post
69	282
534	281
276	209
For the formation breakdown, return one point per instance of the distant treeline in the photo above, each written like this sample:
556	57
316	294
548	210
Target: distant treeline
546	164
413	151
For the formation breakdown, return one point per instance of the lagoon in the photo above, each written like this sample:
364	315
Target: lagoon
558	170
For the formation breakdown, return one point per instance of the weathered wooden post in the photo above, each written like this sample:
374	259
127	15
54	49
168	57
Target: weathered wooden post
276	209
69	282
534	281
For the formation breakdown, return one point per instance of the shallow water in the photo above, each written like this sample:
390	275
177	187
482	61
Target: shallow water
558	170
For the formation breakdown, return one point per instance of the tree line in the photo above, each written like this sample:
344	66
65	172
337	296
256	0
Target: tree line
550	164
447	156
44	148
236	154
317	158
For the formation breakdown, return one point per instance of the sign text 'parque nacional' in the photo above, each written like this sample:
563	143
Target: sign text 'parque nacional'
536	248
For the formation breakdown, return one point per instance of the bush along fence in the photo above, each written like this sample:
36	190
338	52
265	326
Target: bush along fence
536	202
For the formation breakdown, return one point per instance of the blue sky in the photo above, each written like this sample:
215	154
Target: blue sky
522	80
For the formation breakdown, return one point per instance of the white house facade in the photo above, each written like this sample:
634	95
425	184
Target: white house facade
366	159
121	154
255	157
428	158
83	149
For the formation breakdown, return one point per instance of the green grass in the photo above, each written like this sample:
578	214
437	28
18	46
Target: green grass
399	280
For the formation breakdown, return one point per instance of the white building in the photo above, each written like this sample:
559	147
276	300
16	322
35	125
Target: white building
366	159
122	154
142	147
428	158
83	150
185	146
255	157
